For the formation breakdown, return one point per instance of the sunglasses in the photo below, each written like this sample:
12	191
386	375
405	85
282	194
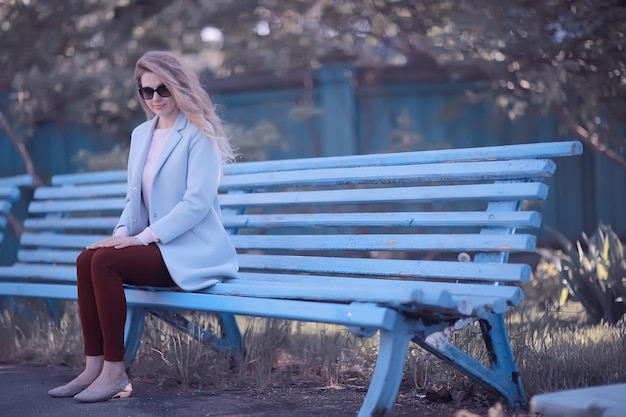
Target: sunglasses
147	93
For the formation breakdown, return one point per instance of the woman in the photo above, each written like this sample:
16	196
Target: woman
170	231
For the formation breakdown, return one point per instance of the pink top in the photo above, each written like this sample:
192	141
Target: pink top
157	143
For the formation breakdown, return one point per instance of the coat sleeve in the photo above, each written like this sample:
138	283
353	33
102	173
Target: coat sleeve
125	216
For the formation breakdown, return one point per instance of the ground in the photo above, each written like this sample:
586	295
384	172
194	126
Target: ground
24	393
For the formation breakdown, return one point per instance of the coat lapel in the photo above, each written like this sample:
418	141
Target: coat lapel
143	152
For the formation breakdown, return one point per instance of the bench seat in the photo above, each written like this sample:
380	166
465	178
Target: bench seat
407	245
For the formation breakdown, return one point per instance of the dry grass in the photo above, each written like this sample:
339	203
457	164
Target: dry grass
569	356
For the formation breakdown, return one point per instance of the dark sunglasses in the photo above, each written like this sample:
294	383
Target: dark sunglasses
147	93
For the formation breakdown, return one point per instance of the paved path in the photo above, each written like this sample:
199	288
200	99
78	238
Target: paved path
23	392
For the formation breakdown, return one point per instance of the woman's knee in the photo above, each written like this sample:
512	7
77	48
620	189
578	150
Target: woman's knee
93	260
103	258
83	264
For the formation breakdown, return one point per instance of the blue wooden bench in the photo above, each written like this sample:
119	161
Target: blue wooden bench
9	194
369	242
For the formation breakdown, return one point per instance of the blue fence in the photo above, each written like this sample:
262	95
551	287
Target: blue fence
336	111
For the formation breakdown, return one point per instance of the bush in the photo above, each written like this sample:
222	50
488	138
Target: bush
597	276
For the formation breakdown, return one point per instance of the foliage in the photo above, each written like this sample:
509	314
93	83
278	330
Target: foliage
254	143
552	356
564	57
595	276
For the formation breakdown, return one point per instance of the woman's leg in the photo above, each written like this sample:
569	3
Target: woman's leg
109	269
101	274
92	334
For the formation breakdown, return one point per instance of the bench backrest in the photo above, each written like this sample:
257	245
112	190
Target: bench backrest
407	215
9	194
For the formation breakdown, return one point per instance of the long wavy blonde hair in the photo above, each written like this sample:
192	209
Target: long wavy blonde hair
191	98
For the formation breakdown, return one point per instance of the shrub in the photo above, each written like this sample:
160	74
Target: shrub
595	276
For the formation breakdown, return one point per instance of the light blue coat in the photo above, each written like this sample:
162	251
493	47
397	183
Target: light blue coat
185	215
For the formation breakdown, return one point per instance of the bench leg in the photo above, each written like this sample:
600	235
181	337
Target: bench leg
231	335
502	359
9	303
132	332
229	340
501	378
55	310
387	377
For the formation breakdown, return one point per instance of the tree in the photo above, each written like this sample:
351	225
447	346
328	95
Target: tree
568	57
564	57
79	70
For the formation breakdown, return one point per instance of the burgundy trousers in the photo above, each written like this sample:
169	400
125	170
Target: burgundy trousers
102	274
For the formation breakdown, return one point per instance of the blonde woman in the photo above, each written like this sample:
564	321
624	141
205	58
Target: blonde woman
170	231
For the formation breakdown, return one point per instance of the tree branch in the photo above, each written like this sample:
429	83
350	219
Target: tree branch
14	225
28	162
591	139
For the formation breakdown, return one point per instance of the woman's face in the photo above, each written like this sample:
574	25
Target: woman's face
164	107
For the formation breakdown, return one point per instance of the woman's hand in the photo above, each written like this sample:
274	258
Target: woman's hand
117	242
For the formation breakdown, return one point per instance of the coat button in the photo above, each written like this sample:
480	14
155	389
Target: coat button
154	215
134	189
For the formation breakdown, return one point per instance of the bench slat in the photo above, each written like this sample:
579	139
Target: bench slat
435	270
5	206
387	292
478	192
47	256
477	306
523	151
72	206
511	292
52	240
74	223
85	191
463	171
306	291
89	178
24	180
55	272
517	219
422	242
9	193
